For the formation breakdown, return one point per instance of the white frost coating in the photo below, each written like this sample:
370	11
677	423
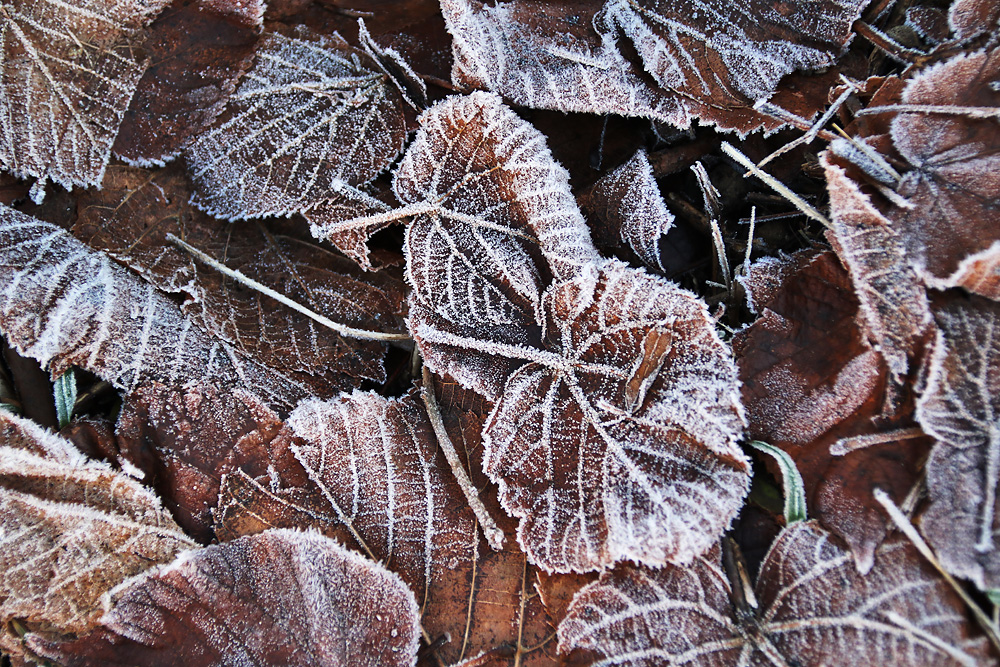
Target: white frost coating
307	116
16	431
814	609
64	304
960	408
329	606
69	69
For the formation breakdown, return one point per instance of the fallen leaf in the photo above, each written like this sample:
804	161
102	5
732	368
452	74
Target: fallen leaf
197	50
307	118
70	531
69	70
960	408
813	608
281	597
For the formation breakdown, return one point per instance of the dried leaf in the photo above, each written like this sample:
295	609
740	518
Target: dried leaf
814	608
627	206
811	378
70	530
130	218
706	61
69	70
961	408
279	598
308	117
197	50
67	305
969	18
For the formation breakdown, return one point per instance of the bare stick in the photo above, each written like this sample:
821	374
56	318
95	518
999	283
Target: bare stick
343	329
494	536
813	131
776	185
904	525
971	112
847	445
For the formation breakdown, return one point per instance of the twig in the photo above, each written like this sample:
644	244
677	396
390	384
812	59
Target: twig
952	109
343	329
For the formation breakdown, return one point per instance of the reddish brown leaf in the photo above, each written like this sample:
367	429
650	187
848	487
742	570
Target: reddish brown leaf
67	305
961	408
810	378
970	18
308	118
197	49
70	531
279	598
814	609
68	72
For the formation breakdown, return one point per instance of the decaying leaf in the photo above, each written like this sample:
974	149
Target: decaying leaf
626	206
68	72
130	218
307	118
70	531
813	608
67	305
707	61
280	598
810	377
961	409
197	49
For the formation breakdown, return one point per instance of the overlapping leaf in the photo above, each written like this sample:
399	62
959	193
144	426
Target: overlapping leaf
197	50
961	409
70	530
707	61
814	608
282	597
310	116
67	305
69	70
130	218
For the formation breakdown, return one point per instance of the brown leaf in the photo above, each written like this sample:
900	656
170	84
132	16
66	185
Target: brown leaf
134	211
67	305
709	62
69	70
970	18
279	598
814	609
810	378
961	407
197	49
308	118
70	531
627	207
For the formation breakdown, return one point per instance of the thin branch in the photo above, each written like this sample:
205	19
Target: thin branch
342	329
952	109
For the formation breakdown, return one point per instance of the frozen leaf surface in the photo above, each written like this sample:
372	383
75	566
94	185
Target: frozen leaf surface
279	598
68	72
70	530
308	117
961	409
627	208
197	50
708	61
814	608
130	218
64	305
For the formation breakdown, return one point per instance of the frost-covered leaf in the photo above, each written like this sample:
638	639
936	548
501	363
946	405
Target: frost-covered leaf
707	61
279	598
814	608
327	218
626	207
954	179
307	117
70	530
130	218
67	305
68	72
617	440
891	297
810	378
197	50
961	409
969	18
